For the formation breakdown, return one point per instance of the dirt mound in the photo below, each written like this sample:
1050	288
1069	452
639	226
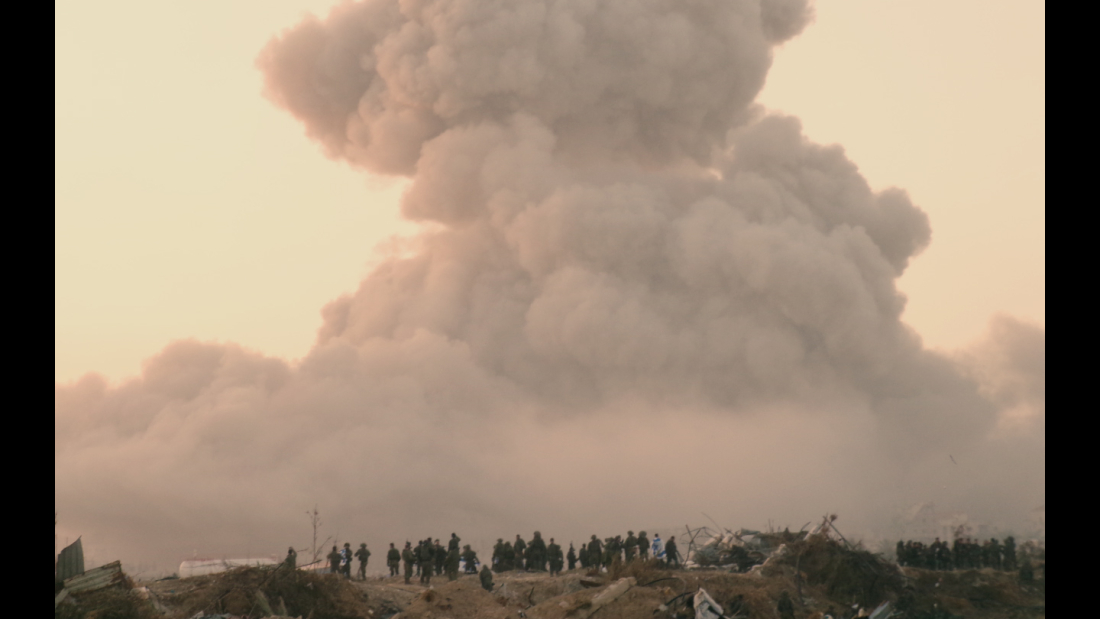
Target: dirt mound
246	591
636	602
111	603
817	573
387	598
979	594
461	599
524	590
750	593
850	575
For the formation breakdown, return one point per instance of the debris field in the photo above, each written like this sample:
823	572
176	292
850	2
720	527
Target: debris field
820	575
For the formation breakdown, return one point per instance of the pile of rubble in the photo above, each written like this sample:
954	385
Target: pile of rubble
101	593
246	592
814	573
737	550
262	592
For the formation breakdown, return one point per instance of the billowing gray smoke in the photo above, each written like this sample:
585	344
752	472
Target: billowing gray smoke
641	298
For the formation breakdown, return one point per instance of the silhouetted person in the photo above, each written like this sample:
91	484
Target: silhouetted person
409	557
486	578
393	560
427	554
345	560
672	554
334	560
362	554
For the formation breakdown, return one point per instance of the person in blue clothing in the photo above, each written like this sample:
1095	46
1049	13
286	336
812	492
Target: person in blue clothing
658	547
345	560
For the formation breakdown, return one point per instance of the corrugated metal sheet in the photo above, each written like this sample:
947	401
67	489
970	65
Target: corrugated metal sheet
98	578
71	561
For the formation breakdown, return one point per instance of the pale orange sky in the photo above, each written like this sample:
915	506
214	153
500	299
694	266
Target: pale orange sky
188	206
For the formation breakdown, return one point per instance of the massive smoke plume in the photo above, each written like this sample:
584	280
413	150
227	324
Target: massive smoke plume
638	297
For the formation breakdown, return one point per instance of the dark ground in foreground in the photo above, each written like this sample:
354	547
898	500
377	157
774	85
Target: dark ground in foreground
818	575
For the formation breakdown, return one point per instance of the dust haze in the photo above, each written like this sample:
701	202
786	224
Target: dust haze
638	297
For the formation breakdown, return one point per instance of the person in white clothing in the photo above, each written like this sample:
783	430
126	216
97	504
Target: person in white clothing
658	547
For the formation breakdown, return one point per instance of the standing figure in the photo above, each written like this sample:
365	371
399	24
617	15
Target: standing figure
470	559
427	556
995	556
498	556
509	557
553	553
537	550
617	549
453	544
608	550
520	548
594	552
571	557
643	546
943	557
583	556
452	563
362	554
334	561
291	560
393	560
672	554
658	547
1010	554
440	558
409	558
416	555
630	546
345	560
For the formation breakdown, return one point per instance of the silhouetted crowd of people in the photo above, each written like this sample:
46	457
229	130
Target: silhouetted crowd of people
537	556
963	554
429	556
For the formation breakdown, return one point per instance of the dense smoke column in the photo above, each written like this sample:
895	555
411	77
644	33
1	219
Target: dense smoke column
618	215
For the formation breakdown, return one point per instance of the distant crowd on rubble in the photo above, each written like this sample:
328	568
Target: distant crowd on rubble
536	556
964	553
429	556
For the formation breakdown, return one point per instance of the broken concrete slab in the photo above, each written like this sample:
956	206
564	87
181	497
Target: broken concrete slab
607	596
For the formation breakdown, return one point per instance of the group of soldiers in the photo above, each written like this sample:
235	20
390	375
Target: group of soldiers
537	556
965	553
430	556
339	560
